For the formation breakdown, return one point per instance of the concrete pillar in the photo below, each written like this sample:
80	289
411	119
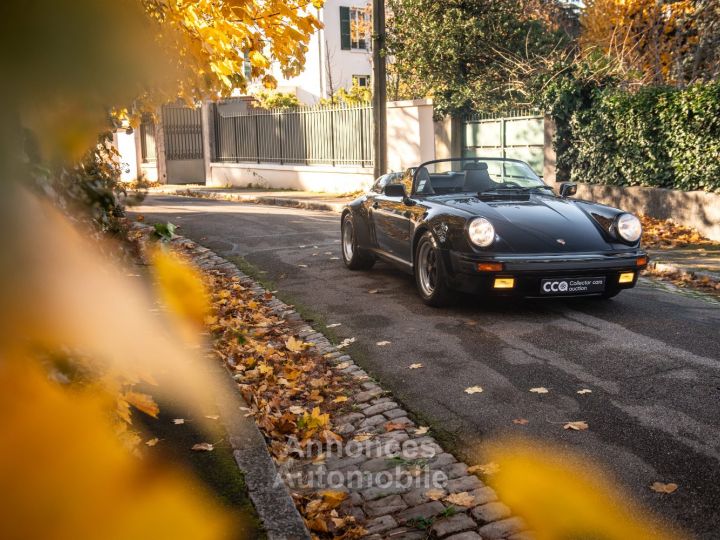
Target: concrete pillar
208	137
549	156
410	133
160	147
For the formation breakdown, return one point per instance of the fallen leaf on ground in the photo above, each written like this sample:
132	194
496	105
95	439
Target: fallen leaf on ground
461	499
294	345
295	409
212	416
373	291
473	390
340	399
422	430
662	487
303	265
342	365
345	342
178	421
470	322
435	494
333	325
360	437
520	421
142	402
392	426
203	447
487	468
382	343
584	391
578	425
334	258
152	442
540	390
415	366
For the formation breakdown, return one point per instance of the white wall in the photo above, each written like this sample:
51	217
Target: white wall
410	133
126	147
313	83
324	179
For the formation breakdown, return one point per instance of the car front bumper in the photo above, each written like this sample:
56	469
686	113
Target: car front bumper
528	272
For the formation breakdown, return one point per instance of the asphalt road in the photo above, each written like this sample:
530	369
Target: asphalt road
651	357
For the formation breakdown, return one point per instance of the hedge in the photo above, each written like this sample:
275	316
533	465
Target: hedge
659	137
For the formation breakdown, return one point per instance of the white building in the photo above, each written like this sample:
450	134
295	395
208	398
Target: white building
337	55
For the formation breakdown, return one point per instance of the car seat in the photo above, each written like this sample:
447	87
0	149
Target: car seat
478	179
424	182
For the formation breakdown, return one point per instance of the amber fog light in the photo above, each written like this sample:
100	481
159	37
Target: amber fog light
626	277
641	261
489	267
504	283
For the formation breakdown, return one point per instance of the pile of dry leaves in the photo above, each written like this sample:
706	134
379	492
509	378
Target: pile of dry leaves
666	234
291	389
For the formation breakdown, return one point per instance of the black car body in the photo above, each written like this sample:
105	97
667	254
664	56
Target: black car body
427	222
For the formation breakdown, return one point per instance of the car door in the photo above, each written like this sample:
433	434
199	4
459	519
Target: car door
391	221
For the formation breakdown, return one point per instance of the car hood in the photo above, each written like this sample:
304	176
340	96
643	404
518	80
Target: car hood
539	224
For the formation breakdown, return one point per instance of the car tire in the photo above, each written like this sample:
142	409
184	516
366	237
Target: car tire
354	257
430	273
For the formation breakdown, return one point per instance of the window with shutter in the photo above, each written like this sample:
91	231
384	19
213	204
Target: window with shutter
345	28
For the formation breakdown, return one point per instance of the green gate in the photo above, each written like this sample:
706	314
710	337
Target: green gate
519	135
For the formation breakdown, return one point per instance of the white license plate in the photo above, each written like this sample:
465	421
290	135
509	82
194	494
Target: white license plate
582	285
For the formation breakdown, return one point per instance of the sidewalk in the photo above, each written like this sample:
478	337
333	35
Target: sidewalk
331	202
691	262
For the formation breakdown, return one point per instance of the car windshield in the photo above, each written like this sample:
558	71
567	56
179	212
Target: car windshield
475	175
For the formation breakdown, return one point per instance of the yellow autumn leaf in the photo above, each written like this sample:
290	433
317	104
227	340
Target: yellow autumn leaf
180	287
203	447
435	494
473	390
87	480
460	499
661	487
487	468
578	425
142	402
561	495
294	345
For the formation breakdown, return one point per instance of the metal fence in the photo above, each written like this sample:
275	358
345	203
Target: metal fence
183	132
517	134
329	135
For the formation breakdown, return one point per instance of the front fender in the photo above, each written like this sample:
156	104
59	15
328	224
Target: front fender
361	220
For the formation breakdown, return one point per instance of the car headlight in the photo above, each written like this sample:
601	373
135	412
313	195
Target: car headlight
481	232
628	227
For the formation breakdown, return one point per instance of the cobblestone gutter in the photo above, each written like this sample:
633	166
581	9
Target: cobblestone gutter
397	481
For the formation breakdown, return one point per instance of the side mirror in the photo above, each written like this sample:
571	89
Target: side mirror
395	190
568	189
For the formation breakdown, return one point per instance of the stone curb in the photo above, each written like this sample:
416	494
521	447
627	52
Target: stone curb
255	199
271	498
391	512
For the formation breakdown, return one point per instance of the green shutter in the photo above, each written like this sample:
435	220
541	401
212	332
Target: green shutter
345	28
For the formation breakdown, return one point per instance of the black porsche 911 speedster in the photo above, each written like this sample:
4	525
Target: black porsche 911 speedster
490	225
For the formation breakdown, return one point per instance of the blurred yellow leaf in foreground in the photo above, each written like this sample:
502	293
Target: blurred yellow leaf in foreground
563	496
180	287
66	475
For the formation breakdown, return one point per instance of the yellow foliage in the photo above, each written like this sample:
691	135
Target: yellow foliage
563	496
67	475
180	287
647	39
72	60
